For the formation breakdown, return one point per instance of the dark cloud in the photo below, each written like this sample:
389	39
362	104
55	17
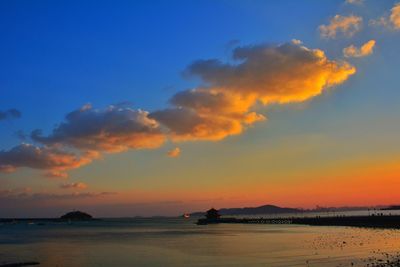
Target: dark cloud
20	134
113	129
85	134
44	158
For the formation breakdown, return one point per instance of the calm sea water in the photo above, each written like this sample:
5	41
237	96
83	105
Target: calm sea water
180	242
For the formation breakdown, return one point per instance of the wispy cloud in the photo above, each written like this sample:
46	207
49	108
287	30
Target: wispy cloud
77	185
56	174
365	50
26	194
346	25
10	114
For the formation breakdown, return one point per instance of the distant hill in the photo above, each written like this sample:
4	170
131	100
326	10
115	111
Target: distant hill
266	209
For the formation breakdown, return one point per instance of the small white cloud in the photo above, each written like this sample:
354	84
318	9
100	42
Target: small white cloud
354	2
296	42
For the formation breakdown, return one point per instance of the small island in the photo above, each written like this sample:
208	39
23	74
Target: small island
76	216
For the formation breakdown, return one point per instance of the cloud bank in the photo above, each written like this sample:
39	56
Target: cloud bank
26	195
77	185
264	74
365	50
224	104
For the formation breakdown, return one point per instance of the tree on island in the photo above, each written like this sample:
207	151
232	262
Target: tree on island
212	214
77	216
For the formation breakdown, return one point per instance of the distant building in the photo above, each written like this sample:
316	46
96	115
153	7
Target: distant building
212	214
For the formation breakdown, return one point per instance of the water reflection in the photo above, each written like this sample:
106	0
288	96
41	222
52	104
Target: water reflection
178	242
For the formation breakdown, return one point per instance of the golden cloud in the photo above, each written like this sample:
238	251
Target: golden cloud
347	25
365	50
185	124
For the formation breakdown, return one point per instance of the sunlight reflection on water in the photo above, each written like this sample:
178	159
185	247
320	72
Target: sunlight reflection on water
179	242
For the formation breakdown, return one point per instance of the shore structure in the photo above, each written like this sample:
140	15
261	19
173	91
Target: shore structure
372	221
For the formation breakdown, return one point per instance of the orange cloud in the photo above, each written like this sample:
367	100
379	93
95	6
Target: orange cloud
365	50
348	26
174	153
266	74
185	124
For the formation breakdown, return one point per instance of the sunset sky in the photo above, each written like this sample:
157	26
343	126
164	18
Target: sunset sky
124	108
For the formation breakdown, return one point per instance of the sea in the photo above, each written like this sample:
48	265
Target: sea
127	242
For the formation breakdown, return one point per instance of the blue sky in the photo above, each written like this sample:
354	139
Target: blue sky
57	56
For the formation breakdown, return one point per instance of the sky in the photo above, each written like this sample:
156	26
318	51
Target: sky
141	108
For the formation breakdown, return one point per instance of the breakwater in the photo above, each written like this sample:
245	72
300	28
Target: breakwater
375	221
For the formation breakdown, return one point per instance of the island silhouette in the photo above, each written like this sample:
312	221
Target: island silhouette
76	216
